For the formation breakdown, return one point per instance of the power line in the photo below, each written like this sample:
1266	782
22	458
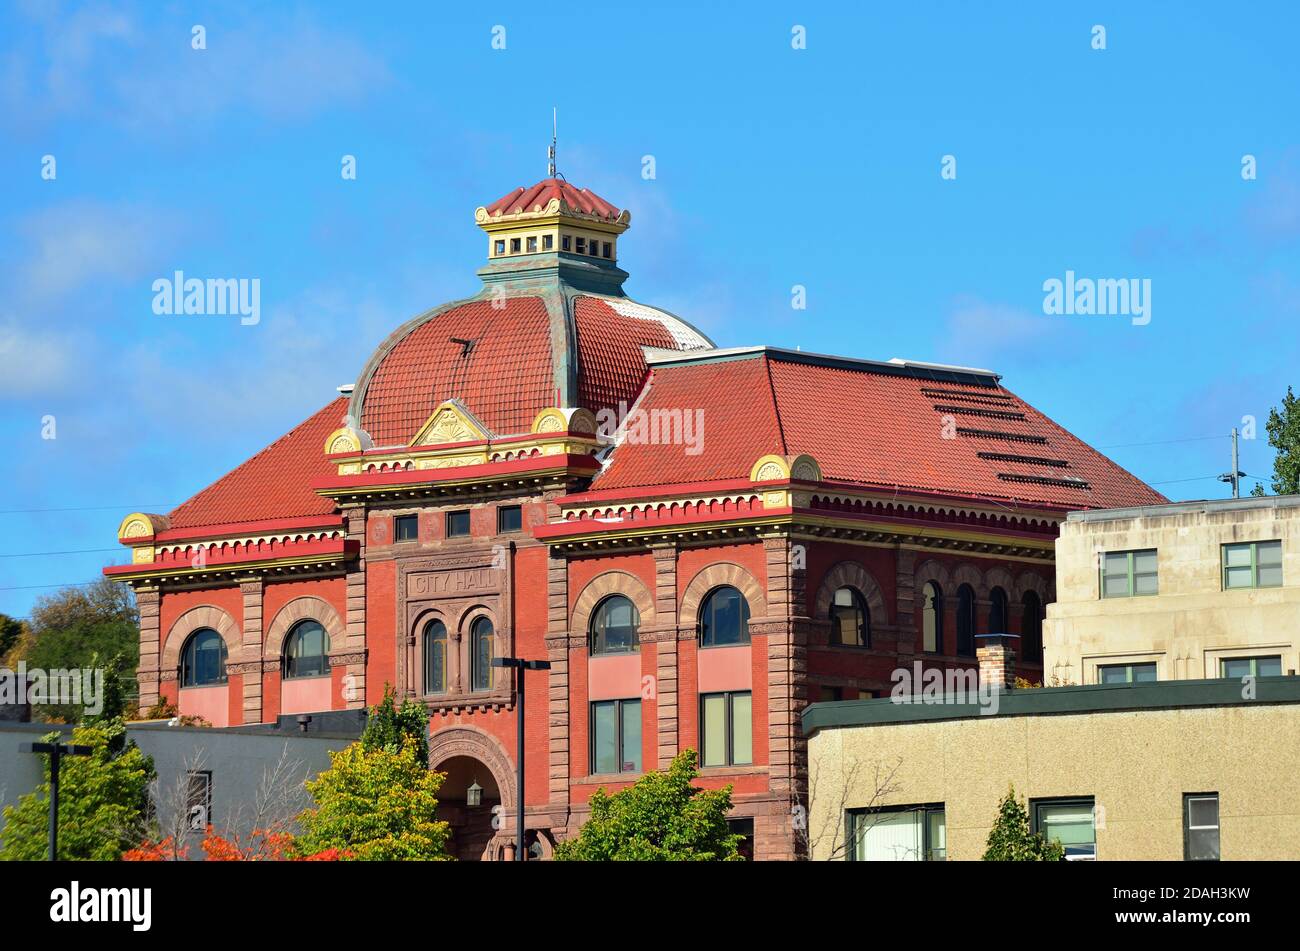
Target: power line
76	551
1162	442
66	584
90	508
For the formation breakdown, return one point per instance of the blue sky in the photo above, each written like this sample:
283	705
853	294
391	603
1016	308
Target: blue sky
775	167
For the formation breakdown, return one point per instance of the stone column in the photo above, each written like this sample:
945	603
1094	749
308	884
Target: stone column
355	689
557	652
909	636
251	655
148	600
665	557
787	629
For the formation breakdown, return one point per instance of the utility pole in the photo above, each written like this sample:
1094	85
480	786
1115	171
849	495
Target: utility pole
56	752
519	666
1233	478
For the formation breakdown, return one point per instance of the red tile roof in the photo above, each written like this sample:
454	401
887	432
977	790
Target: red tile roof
536	198
871	424
275	483
505	378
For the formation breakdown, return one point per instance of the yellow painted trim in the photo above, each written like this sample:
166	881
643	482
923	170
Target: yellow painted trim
342	440
238	566
452	424
777	468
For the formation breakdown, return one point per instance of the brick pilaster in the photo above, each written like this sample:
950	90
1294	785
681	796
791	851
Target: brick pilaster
252	590
148	601
787	629
557	650
905	585
356	609
665	558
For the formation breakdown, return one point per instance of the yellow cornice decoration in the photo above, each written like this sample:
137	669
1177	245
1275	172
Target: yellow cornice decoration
142	526
773	468
451	422
342	440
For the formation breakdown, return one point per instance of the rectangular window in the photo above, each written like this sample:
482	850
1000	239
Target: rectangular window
1201	827
198	800
745	829
582	245
406	528
514	245
1128	574
458	523
510	518
1126	673
726	729
1252	565
1070	822
830	694
564	242
606	250
903	834
532	245
615	737
1234	668
498	248
548	242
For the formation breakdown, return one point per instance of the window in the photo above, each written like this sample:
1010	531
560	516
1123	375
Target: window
966	621
1201	827
198	800
726	729
724	618
905	834
1070	822
203	659
614	626
564	242
1031	627
616	736
510	518
582	245
514	246
532	245
1235	668
458	523
435	657
745	829
548	242
482	643
932	618
607	250
306	651
829	694
850	619
1252	565
406	528
1128	574
498	248
1126	673
997	611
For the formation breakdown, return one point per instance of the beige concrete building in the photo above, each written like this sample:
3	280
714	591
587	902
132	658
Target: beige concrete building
1187	769
1171	592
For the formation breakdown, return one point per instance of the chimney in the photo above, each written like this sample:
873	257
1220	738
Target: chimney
997	657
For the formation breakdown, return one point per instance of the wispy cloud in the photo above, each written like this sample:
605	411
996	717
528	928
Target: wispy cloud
978	331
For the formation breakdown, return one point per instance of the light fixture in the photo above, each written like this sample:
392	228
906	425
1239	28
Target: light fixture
474	795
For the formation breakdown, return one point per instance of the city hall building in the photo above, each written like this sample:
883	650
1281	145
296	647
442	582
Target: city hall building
700	540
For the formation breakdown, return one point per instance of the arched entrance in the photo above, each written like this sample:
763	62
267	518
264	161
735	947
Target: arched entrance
471	757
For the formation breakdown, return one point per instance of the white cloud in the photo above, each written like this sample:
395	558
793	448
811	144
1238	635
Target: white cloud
983	333
32	362
71	245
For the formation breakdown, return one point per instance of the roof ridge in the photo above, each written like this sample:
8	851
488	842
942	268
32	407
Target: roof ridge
776	406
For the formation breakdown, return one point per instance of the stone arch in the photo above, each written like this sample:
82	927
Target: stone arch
1031	581
477	744
999	577
853	575
969	574
722	573
204	615
931	570
300	609
601	587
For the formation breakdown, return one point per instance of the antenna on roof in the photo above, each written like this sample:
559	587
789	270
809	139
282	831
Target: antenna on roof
550	153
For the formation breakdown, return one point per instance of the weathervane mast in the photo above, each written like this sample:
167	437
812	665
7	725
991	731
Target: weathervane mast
550	153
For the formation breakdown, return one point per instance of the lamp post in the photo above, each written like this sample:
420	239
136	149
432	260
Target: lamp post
56	751
520	665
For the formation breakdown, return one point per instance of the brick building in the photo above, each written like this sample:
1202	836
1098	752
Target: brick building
700	540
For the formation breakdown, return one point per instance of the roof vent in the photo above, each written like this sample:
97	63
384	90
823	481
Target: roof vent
345	389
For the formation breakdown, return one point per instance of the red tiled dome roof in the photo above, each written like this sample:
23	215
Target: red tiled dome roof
582	200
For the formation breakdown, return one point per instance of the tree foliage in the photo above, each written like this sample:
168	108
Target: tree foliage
662	817
103	800
390	726
1284	436
1010	839
377	804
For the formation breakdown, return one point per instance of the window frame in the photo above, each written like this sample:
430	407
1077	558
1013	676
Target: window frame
1254	665
853	818
934	604
187	663
864	624
1129	666
401	523
729	713
970	618
453	513
1132	591
1254	564
592	651
501	509
619	706
1188	828
476	667
424	657
1035	824
707	602
1037	640
295	633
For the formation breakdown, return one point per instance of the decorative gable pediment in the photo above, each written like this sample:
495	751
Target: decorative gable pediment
451	422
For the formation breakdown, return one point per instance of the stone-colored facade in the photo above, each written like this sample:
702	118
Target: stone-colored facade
1192	624
1136	765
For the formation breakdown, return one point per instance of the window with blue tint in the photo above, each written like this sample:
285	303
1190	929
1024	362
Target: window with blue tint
406	528
615	736
1126	673
482	639
203	659
614	626
458	523
724	618
306	650
435	657
1252	565
1237	667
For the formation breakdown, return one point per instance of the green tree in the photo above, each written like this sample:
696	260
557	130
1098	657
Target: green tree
390	726
11	631
103	801
1010	839
375	804
81	628
1284	436
661	817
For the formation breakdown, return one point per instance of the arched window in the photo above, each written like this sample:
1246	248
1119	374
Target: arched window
1031	628
932	618
435	657
203	659
997	611
482	645
724	618
850	619
614	626
306	650
966	621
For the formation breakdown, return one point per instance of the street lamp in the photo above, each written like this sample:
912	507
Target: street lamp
520	665
56	751
474	795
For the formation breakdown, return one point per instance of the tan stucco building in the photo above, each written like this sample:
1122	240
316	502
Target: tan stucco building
1187	769
1171	592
